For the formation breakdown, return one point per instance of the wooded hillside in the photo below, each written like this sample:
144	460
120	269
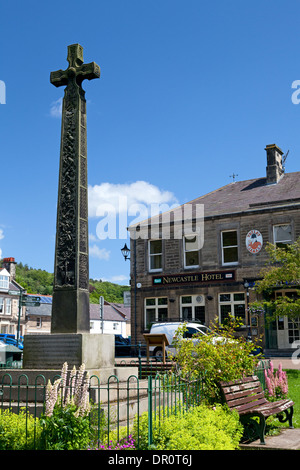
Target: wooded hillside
38	281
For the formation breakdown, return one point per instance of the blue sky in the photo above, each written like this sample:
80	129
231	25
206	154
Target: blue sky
190	92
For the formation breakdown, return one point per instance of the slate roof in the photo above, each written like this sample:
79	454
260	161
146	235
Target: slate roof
112	311
251	194
241	196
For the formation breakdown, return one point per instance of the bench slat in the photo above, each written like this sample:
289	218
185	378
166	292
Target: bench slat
243	393
253	400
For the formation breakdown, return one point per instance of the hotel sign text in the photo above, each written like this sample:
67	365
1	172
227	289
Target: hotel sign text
205	277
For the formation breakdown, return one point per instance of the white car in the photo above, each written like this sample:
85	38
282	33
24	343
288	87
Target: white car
169	329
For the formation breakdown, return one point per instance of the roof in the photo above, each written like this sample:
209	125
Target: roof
9	348
112	311
251	194
242	196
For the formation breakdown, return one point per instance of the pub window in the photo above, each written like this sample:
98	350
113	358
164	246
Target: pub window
229	243
39	322
191	251
232	304
155	255
156	310
192	307
282	235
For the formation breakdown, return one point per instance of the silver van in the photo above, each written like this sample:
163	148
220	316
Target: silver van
169	329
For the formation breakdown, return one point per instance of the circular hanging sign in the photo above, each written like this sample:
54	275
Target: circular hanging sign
254	241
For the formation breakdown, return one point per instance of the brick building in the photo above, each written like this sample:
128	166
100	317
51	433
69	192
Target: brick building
200	261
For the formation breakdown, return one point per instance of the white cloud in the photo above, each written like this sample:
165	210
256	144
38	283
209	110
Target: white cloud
122	197
100	253
56	108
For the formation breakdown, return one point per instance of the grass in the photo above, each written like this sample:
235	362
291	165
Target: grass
294	394
273	425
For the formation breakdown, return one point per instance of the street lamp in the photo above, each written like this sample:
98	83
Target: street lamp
125	252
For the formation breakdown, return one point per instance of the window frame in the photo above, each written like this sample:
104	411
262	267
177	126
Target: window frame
232	303
190	266
155	306
282	242
4	282
154	270
193	304
8	303
230	263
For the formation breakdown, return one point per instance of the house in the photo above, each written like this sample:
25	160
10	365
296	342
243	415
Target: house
200	261
12	313
116	319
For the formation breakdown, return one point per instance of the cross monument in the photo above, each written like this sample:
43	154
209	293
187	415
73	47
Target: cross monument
70	304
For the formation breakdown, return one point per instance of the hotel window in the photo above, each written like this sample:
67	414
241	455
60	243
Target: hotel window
191	251
1	305
192	307
229	247
4	282
155	255
282	235
232	304
8	306
156	310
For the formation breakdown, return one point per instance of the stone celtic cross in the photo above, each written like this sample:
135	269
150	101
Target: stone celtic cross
70	304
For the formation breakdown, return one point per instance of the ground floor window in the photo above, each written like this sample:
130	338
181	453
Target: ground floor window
192	307
294	330
232	304
156	309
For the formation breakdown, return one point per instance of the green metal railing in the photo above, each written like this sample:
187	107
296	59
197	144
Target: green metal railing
117	405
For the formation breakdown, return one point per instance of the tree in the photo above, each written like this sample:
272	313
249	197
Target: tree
283	273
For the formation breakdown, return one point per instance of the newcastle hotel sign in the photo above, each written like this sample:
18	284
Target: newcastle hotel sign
194	278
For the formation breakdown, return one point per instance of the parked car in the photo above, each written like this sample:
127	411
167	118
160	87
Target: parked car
170	328
10	339
122	346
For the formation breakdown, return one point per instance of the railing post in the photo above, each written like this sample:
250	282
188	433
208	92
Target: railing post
149	410
140	360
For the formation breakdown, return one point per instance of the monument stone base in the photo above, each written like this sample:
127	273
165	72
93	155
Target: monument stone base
96	351
45	354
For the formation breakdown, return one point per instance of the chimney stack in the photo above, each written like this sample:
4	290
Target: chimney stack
274	164
10	265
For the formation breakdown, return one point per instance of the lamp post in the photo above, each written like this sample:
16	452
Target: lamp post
125	252
246	285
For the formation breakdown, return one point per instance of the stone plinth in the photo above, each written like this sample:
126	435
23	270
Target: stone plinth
96	351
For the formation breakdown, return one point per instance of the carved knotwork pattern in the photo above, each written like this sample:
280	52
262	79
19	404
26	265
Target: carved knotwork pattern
83	271
66	238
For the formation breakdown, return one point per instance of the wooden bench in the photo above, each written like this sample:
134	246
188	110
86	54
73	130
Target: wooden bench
248	399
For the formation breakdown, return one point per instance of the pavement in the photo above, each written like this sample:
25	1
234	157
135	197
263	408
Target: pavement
288	439
286	362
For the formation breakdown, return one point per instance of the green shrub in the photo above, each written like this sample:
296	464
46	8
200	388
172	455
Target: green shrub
18	431
64	430
215	360
201	428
